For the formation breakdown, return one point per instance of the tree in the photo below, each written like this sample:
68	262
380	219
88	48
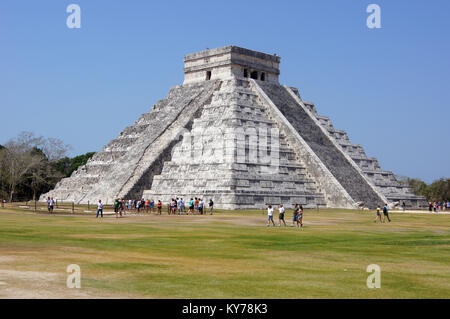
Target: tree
81	160
439	190
66	166
417	186
16	162
28	157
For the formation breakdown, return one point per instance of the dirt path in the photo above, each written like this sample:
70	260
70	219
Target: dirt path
21	284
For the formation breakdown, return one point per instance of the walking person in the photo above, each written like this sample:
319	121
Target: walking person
138	206
174	206
295	215
378	214
147	206
211	206
386	212
270	216
100	208
116	207
52	204
191	206
180	206
300	216
121	207
281	215
403	206
200	206
196	205
48	204
159	206
183	206
152	206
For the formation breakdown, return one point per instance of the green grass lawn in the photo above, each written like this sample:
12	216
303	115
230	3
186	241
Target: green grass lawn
228	255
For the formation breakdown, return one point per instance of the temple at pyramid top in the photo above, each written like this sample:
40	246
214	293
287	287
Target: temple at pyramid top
230	61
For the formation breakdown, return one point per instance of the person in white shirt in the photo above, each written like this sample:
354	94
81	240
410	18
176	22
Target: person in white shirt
270	216
100	208
180	206
281	215
52	203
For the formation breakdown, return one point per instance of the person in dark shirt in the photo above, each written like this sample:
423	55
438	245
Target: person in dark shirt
386	212
211	206
295	215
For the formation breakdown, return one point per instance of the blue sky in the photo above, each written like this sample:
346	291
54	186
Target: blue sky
389	88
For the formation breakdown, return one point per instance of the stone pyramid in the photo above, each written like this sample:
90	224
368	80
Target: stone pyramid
232	133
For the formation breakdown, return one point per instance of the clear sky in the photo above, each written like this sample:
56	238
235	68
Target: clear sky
389	88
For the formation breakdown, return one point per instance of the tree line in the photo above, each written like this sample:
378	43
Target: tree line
439	190
32	165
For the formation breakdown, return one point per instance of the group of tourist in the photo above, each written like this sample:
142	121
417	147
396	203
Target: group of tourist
196	206
174	207
438	206
297	218
50	204
385	213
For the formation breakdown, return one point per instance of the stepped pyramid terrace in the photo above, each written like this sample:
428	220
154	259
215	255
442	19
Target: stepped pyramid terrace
233	133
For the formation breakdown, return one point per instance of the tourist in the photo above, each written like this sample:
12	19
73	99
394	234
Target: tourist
184	205
138	206
430	206
152	205
174	206
191	206
448	205
211	206
403	206
135	204
281	215
295	215
100	208
196	205
116	207
169	206
378	214
52	204
48	204
159	206
200	206
180	206
147	205
386	212
121	207
300	216
270	216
